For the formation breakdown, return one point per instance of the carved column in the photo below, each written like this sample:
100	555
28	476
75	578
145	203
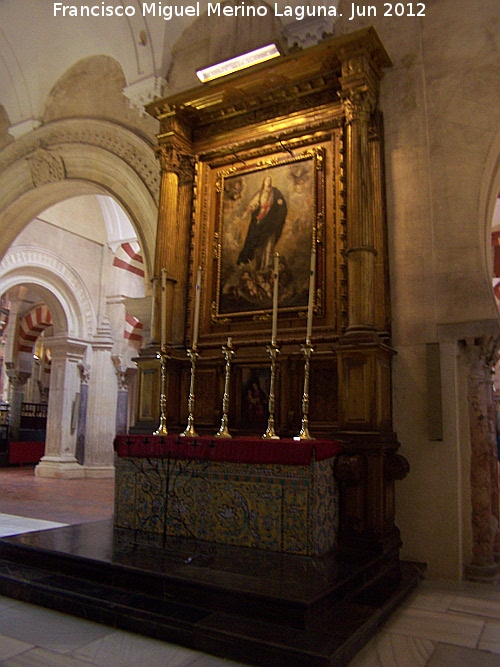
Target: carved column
17	382
123	381
60	443
359	95
101	415
171	242
82	412
370	466
481	355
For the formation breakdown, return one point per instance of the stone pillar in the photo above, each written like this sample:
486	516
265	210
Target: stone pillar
17	382
122	378
82	412
359	95
481	353
101	411
60	443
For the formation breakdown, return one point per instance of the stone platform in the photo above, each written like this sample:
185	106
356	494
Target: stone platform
253	606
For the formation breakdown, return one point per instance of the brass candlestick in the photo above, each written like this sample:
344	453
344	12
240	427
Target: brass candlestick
228	352
162	428
190	430
304	434
270	433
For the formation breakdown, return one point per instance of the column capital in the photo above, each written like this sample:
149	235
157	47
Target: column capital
122	373
360	79
481	354
16	377
173	160
359	104
66	347
84	370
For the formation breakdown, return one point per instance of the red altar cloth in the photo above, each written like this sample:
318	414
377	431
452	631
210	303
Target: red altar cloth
239	449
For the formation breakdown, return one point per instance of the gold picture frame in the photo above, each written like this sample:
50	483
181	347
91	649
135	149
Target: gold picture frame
268	207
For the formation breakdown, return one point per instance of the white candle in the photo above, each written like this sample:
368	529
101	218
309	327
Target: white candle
276	273
310	305
196	325
163	313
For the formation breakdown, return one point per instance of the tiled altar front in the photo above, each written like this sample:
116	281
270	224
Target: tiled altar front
277	496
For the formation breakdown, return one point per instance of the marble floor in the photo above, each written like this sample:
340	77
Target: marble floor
442	624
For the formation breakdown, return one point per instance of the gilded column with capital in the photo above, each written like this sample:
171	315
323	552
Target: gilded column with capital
363	351
171	261
173	235
359	96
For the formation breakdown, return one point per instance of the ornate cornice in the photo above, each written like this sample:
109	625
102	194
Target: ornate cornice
290	84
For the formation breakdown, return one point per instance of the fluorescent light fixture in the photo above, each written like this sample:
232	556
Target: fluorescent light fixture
238	63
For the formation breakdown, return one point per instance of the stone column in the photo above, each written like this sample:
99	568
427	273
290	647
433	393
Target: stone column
82	412
123	379
101	411
359	95
481	354
60	443
17	382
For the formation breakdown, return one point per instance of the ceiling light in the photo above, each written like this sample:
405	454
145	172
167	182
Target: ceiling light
238	63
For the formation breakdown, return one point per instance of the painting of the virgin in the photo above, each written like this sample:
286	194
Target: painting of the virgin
266	210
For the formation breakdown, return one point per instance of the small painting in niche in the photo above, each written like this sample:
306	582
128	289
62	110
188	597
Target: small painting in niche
262	211
255	398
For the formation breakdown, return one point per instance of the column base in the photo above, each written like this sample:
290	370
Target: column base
59	469
487	572
98	472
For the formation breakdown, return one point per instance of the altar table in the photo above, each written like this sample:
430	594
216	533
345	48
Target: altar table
277	495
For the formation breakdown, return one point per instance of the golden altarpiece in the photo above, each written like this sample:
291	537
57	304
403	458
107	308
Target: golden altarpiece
307	127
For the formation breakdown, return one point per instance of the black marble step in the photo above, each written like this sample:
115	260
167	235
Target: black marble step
255	607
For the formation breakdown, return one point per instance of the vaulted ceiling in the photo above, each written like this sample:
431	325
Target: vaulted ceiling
38	45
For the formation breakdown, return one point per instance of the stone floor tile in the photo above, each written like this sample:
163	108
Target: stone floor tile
10	647
125	649
211	661
40	657
430	600
11	524
457	656
490	639
48	629
389	650
472	606
447	628
6	603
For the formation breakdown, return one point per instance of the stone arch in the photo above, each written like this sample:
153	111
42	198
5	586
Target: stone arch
66	295
79	156
490	187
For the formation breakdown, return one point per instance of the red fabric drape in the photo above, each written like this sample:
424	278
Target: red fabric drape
239	450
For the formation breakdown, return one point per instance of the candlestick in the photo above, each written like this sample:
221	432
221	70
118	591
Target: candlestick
304	434
163	313
197	301
162	428
270	433
275	298
190	429
228	353
310	305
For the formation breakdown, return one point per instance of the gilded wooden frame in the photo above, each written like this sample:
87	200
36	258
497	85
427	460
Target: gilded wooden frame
284	196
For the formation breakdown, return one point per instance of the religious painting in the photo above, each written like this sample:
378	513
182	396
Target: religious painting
255	383
261	210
